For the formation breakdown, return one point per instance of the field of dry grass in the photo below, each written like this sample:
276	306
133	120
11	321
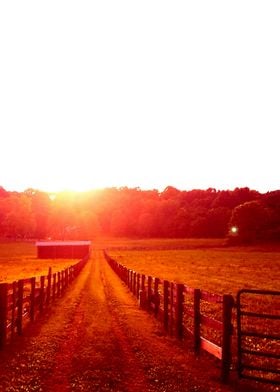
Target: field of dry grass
201	263
18	260
110	243
204	264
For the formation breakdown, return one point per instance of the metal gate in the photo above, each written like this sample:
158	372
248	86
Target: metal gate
258	335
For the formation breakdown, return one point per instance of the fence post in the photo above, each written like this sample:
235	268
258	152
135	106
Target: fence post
32	299
62	281
156	296
165	303
20	306
228	303
124	274
42	293
149	292
59	283
179	310
134	283
171	321
142	292
143	278
67	277
49	285
70	274
3	313
196	314
14	305
54	286
137	284
131	280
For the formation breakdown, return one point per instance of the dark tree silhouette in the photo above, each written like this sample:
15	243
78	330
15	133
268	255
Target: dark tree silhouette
133	212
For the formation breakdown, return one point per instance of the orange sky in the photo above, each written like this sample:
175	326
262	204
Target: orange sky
144	94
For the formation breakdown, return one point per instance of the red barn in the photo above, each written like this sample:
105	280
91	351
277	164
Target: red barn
62	249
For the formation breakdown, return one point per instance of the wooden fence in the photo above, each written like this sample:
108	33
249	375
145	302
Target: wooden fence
25	299
203	318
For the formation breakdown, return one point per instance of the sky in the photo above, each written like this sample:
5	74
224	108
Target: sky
139	93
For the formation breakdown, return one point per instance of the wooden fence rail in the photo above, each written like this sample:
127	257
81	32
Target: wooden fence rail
26	299
185	312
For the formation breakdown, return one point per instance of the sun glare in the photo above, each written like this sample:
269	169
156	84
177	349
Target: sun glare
149	109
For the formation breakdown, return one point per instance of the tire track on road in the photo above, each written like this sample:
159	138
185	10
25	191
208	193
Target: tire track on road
136	378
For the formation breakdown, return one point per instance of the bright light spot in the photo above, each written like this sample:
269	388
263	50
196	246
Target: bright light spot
52	197
234	229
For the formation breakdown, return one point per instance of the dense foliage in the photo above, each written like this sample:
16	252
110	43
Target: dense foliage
141	213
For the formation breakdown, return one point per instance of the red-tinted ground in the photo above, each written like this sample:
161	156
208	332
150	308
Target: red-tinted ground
97	339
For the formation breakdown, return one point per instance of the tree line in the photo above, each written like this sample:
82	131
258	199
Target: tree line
242	214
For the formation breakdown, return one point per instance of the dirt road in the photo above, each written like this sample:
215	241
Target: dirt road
96	339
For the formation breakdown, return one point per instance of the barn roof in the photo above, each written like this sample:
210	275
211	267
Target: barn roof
63	243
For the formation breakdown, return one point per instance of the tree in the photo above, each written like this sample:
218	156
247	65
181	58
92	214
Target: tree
250	221
19	219
272	201
40	205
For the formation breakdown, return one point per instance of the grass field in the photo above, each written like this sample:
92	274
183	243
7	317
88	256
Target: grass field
205	264
18	260
200	263
156	243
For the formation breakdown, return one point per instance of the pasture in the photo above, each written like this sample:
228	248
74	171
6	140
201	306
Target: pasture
203	264
200	263
18	260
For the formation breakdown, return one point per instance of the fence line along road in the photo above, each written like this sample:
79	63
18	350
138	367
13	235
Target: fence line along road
24	300
183	312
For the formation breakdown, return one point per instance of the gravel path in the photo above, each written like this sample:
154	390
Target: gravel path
97	339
